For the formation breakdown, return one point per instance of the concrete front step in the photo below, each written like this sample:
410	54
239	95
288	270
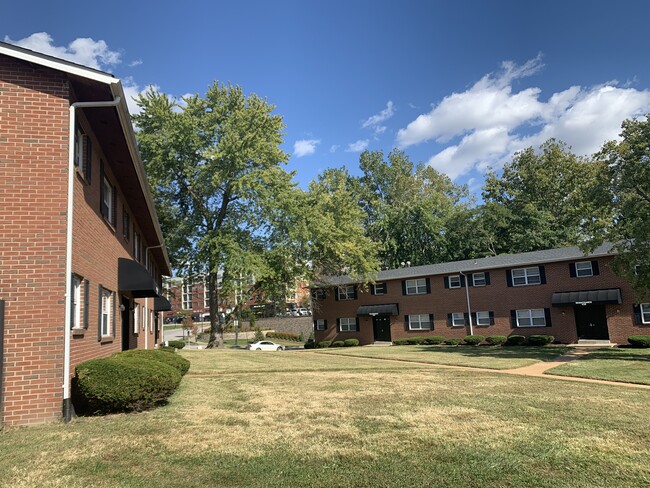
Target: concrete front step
381	343
593	343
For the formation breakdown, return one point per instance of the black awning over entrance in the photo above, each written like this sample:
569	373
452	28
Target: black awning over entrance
388	309
133	277
571	298
161	304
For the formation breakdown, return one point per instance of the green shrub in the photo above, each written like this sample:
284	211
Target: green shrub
496	340
323	344
310	345
174	360
337	344
259	335
351	342
122	385
176	344
639	340
434	340
540	340
284	336
516	340
167	349
452	342
473	340
400	342
415	340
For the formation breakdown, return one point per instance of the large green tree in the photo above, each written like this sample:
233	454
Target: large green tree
626	192
541	200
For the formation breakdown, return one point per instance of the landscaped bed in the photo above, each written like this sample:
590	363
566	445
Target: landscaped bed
317	420
499	357
619	364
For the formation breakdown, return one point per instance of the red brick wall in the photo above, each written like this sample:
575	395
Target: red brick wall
496	297
33	182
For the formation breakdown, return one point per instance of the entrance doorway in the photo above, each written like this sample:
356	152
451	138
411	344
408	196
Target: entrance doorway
126	323
591	321
381	327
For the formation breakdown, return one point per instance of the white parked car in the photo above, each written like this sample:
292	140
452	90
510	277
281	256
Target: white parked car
304	312
265	346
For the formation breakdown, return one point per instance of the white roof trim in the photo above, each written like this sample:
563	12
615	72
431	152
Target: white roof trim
57	64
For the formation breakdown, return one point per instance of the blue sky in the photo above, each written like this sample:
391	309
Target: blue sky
460	85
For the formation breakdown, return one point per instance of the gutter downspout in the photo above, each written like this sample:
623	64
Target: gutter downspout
469	308
67	404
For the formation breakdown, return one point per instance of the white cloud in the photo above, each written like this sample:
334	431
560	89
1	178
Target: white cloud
83	50
305	147
490	121
358	146
334	148
137	62
374	121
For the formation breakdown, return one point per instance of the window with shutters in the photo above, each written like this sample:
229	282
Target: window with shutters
454	281
478	279
346	292
457	319
108	202
584	269
482	318
75	316
531	318
320	324
318	294
126	225
420	322
379	289
106	312
82	154
526	276
645	313
416	287
348	324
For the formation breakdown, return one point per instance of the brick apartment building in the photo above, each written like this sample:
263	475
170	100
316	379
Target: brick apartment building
71	289
559	292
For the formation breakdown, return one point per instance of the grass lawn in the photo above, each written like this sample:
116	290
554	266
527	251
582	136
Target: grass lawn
491	357
620	364
247	419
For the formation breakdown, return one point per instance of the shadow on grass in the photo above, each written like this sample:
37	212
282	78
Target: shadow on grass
619	354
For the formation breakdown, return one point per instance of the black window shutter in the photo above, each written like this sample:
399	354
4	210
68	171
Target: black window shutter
637	314
449	319
446	281
114	213
428	282
358	325
462	281
513	319
101	189
474	321
373	291
403	287
114	310
487	278
338	325
99	313
547	316
354	292
315	322
509	277
594	268
406	322
466	315
385	287
336	295
325	324
470	279
88	159
572	270
86	302
491	318
431	320
542	275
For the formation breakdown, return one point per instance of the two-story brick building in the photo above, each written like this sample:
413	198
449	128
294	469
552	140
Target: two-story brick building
560	292
81	250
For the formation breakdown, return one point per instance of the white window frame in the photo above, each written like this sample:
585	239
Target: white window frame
526	276
587	269
456	281
76	302
482	318
107	311
416	286
136	318
458	316
108	199
319	324
383	288
348	324
645	313
420	322
345	292
318	294
482	279
527	317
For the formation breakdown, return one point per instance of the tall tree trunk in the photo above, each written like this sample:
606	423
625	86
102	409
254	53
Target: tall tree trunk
216	329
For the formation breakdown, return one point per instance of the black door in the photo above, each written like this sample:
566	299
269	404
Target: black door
381	327
591	321
126	323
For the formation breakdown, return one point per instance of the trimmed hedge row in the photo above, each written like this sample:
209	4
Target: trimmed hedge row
323	344
473	340
176	344
639	340
127	381
284	336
